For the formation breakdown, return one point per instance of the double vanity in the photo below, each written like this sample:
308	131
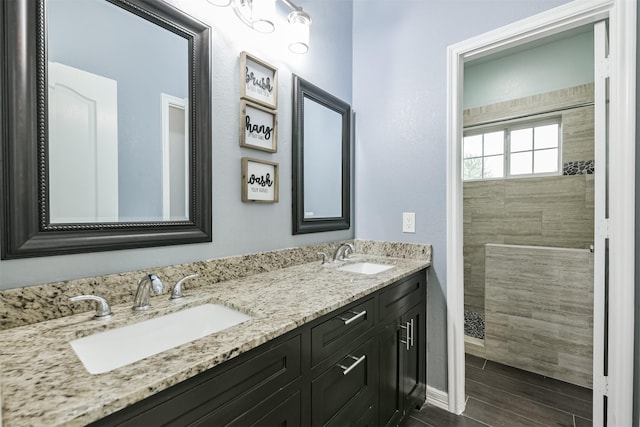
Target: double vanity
341	343
264	339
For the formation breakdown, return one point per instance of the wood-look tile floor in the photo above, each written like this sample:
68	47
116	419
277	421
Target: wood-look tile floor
501	396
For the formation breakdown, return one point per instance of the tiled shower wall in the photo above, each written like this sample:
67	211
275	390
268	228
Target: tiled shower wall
539	310
554	211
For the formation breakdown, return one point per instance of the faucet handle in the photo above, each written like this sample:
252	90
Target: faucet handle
176	293
156	283
349	249
325	257
103	310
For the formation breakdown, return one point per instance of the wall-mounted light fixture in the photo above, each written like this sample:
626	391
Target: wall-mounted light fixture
260	15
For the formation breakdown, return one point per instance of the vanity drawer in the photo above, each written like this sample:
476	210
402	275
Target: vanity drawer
344	327
346	391
406	292
278	410
221	395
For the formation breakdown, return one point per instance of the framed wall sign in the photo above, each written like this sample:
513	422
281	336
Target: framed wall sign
260	181
258	81
258	127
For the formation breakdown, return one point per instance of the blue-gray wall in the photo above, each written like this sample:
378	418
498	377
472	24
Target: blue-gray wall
238	228
399	94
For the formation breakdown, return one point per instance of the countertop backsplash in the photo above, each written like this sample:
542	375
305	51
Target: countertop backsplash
32	304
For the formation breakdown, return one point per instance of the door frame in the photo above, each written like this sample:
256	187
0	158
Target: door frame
622	31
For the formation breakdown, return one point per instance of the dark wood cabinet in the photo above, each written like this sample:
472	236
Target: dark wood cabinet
223	394
344	327
414	359
389	374
402	349
347	390
280	410
361	365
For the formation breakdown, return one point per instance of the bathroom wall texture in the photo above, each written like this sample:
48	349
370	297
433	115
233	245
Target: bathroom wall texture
238	228
399	95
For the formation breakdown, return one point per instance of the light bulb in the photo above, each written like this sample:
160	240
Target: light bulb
299	23
263	13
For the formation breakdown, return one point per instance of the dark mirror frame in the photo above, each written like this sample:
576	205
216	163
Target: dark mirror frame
303	89
26	231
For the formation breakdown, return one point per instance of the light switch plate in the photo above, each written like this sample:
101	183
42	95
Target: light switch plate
408	222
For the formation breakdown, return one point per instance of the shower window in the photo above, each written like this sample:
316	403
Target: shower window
516	150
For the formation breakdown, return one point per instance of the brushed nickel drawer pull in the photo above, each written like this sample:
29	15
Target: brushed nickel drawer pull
352	319
410	324
347	369
409	330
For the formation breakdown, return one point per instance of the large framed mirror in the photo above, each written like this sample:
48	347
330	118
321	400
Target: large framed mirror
106	126
321	146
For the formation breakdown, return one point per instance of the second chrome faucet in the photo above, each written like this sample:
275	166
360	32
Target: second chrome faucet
341	252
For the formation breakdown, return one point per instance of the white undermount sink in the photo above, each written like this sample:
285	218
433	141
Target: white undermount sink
106	351
365	268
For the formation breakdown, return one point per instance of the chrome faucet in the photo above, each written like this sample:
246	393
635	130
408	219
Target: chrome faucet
341	252
149	281
176	292
103	310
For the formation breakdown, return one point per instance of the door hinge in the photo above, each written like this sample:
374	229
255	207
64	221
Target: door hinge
605	385
604	70
604	228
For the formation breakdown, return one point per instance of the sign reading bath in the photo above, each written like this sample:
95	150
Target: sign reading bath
109	350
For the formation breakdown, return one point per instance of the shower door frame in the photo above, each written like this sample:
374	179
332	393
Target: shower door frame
621	15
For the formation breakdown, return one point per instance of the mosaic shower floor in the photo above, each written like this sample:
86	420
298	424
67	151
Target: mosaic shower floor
474	324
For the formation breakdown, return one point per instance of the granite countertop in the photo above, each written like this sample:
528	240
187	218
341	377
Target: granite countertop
44	383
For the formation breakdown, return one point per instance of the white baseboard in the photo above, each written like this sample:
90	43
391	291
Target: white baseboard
438	398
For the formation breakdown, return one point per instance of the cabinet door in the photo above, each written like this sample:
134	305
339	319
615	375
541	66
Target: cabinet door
413	357
390	397
402	365
344	392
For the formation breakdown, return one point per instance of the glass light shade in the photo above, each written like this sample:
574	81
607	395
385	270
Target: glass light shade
263	13
299	23
221	3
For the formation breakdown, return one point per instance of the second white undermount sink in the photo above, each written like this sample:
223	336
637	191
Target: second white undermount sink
365	268
106	351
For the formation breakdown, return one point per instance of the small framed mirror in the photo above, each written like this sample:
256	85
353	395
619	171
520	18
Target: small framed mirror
321	146
106	140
